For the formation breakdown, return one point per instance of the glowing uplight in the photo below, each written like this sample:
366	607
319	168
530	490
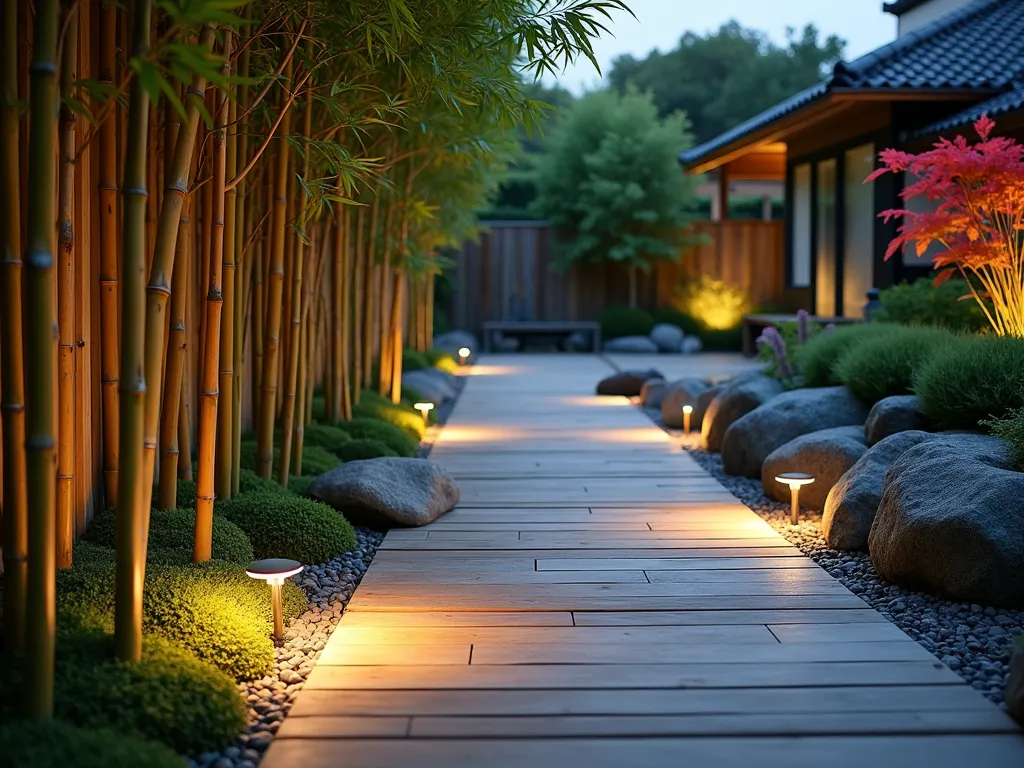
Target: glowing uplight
274	571
687	411
795	480
464	354
424	409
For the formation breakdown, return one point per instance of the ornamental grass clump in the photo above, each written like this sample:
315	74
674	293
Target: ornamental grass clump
395	438
886	365
819	356
408	420
976	196
1011	429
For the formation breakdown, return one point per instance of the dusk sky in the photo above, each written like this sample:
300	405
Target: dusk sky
660	24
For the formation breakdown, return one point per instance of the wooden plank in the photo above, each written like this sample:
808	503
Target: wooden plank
585	542
662	564
631	552
461	619
836	633
470	602
848	616
351	726
436	576
458	653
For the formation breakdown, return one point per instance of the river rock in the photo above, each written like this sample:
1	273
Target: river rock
453	341
853	500
951	521
626	383
737	398
429	387
667	337
387	492
632	345
653	392
890	415
691	345
826	454
680	393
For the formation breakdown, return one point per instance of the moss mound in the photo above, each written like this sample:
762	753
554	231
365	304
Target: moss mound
325	436
616	322
441	360
213	610
885	365
175	530
290	526
408	420
298	484
315	460
818	358
168	696
56	744
393	437
250	482
358	450
972	380
413	360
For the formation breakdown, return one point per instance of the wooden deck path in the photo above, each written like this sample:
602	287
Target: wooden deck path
597	599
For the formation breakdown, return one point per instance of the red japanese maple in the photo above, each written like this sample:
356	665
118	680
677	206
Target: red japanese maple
976	193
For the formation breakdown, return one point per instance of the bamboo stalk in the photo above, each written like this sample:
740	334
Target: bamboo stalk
225	413
209	393
133	496
428	330
370	291
108	259
396	337
185	428
358	307
338	322
12	356
384	374
345	291
260	269
305	375
275	277
66	252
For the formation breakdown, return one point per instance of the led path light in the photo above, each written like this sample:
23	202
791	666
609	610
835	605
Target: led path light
424	409
274	571
795	480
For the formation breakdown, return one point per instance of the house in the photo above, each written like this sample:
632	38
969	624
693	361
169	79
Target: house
952	61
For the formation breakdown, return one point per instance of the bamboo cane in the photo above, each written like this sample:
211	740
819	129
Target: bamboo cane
275	277
284	354
12	356
338	322
132	508
304	374
66	253
259	295
396	337
358	256
225	417
209	395
384	374
185	429
370	290
429	324
346	314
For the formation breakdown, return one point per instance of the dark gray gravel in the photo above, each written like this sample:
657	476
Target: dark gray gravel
973	640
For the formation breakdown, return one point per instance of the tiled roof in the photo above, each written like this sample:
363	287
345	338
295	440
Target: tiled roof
977	47
1009	101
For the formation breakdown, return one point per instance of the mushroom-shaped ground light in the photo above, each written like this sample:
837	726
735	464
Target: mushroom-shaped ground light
464	354
424	409
687	410
795	480
274	571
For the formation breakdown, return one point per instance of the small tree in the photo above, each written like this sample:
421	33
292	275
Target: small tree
611	184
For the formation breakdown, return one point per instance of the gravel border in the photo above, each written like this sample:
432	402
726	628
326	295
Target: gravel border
973	640
329	587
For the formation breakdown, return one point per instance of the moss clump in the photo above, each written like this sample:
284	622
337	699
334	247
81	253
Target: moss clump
616	322
298	484
213	610
168	696
885	365
175	530
975	379
290	526
325	436
393	437
315	460
250	482
408	420
359	450
818	358
56	744
441	360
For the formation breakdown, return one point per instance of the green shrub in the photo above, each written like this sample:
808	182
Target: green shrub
213	610
290	526
411	395
673	316
250	482
818	358
298	484
886	365
175	530
413	360
441	360
186	494
722	340
975	379
409	421
318	408
315	460
374	429
168	696
616	322
1011	429
358	450
56	744
924	303
325	436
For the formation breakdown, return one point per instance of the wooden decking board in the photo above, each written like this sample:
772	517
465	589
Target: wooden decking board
597	599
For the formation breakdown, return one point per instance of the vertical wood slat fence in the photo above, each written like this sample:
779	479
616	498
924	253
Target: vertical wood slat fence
508	273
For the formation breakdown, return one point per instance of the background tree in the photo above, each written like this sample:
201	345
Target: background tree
611	184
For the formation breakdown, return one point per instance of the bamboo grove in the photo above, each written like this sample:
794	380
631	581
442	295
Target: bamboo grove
212	209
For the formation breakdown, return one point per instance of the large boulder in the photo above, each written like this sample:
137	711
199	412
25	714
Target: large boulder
827	454
680	393
691	345
632	345
387	492
853	500
453	341
626	383
752	437
737	398
430	387
951	521
668	337
890	415
653	392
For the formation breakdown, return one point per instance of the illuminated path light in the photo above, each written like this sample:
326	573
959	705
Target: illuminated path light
464	354
795	480
274	571
424	409
687	411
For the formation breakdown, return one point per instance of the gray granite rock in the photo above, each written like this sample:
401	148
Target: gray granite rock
851	504
388	492
430	387
631	345
890	415
827	454
453	341
653	392
737	398
680	393
691	345
749	440
951	521
626	383
668	337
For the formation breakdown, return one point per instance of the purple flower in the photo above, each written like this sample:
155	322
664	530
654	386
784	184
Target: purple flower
803	331
771	337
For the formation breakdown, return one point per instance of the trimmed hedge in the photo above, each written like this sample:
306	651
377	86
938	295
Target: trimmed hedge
374	429
250	482
325	436
884	366
358	450
818	358
213	610
315	460
168	696
56	744
441	360
617	322
175	530
298	484
409	421
972	380
924	303
290	526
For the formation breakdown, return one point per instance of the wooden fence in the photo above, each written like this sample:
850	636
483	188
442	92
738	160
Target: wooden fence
508	273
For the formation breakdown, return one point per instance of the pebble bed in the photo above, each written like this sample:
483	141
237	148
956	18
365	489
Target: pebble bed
328	587
973	640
